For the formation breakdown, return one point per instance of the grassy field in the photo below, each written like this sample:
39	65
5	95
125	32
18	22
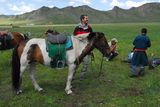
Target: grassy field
113	88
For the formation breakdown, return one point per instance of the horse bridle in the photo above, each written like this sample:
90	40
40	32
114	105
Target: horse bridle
100	48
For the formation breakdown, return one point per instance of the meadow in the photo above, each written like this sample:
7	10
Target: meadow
112	88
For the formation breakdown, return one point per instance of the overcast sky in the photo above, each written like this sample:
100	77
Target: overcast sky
14	7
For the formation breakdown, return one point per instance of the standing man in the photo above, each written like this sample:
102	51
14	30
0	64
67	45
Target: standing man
83	27
140	59
82	31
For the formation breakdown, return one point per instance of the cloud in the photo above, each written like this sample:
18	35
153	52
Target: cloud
134	4
129	3
117	3
3	0
20	8
79	2
104	1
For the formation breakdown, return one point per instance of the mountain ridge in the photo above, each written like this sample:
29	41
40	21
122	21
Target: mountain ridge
148	12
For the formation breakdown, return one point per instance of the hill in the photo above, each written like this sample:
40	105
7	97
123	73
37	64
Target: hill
69	15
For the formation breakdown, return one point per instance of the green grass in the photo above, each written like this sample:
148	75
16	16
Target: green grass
6	21
113	88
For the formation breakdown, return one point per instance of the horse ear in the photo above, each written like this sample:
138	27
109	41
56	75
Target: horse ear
100	34
90	35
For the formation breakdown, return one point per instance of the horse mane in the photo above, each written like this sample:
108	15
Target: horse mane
94	35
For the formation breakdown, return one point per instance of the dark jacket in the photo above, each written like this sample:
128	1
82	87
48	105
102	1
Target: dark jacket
141	43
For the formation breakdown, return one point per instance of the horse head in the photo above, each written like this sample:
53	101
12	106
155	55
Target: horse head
98	40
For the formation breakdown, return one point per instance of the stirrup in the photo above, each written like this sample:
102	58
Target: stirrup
60	64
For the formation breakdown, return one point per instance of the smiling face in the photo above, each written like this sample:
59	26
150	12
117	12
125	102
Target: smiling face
85	20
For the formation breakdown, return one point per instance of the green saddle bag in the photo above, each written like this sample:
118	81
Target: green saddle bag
57	52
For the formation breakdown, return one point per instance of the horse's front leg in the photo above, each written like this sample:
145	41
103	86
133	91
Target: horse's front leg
71	72
85	67
31	73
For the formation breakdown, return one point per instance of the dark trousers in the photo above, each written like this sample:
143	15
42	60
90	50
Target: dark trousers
113	54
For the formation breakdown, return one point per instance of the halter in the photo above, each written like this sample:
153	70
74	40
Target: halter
90	46
97	38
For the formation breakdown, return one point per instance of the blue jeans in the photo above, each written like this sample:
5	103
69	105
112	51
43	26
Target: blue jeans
137	70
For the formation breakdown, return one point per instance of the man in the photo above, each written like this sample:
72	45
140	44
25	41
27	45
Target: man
82	31
140	59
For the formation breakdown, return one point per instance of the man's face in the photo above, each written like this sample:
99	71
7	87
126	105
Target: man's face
85	20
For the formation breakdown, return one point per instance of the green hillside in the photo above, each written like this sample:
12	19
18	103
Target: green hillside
70	15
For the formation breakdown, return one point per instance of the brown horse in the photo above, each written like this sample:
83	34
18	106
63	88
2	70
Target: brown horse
27	54
9	40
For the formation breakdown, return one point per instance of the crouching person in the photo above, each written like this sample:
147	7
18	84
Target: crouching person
140	59
113	47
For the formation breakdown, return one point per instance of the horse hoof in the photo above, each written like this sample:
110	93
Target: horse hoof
40	89
69	92
19	92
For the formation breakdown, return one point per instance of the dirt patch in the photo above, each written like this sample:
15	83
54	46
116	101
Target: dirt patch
131	91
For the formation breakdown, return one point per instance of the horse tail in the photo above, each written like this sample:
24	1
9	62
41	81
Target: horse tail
15	69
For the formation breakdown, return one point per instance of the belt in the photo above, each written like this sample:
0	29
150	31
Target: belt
139	50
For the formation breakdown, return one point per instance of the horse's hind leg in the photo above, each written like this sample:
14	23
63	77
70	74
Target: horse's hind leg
71	71
31	73
22	69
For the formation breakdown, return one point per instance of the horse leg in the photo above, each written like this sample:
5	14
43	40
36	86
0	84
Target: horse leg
22	68
85	67
72	69
31	74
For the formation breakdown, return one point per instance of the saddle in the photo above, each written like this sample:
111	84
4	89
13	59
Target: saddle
56	46
57	39
5	40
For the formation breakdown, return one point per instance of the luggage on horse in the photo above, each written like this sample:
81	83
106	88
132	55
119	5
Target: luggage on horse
5	40
56	45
